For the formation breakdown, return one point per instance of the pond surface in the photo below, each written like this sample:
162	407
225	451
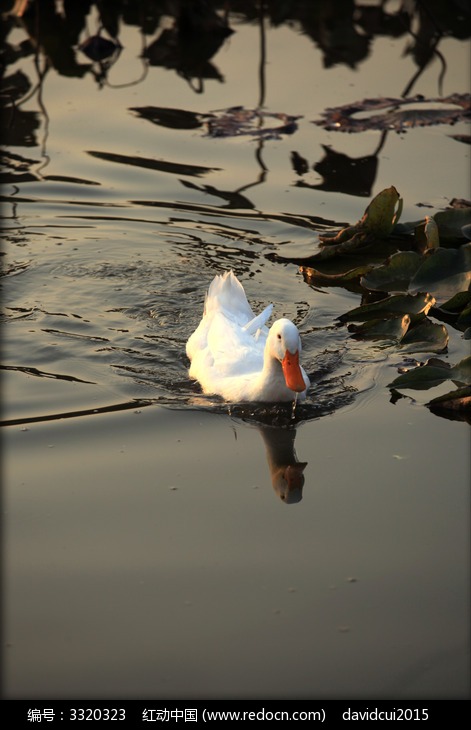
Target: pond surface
159	542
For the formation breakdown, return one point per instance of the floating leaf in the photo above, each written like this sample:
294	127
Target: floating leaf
345	279
461	372
425	337
390	307
444	273
433	373
455	405
464	320
377	222
381	215
451	222
382	329
395	274
431	232
458	302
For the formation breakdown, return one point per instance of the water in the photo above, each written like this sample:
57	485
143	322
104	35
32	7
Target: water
158	541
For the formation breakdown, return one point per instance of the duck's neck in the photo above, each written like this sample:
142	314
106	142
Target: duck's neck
272	378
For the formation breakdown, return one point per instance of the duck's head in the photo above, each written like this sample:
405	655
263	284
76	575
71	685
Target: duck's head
284	344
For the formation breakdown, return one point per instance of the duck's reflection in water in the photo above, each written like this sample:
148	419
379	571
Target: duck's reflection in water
285	470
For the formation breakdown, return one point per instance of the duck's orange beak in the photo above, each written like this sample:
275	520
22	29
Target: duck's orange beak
292	372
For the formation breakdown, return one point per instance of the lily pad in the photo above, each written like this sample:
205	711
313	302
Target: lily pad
434	372
461	372
425	337
458	302
390	307
455	405
347	279
464	320
423	377
378	221
432	236
451	222
383	212
382	329
395	274
444	273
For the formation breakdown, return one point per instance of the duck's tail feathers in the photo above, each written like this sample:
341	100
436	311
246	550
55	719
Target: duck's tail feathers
227	293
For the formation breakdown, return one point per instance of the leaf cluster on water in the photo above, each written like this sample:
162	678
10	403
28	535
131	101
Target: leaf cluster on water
408	275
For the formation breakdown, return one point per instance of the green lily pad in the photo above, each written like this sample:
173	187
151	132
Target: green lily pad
390	307
434	372
464	320
382	329
345	278
431	232
395	274
443	273
451	222
423	377
458	302
425	337
461	372
383	212
376	224
455	405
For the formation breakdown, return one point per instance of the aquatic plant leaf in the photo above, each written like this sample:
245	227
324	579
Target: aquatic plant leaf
464	320
395	274
432	373
461	372
390	307
451	222
455	405
443	273
382	329
456	311
377	223
458	302
381	215
431	232
345	278
425	337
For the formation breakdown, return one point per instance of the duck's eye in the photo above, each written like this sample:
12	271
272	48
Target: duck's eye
279	337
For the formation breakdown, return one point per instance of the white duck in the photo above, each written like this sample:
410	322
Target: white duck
234	355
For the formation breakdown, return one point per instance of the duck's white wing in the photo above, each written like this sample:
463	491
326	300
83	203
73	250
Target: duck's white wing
226	297
233	349
258	322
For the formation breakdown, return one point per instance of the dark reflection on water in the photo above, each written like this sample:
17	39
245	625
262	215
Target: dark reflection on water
188	33
184	36
286	470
